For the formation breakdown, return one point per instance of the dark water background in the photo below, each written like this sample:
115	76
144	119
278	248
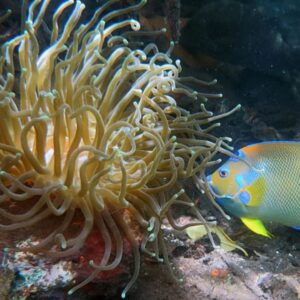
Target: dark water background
255	48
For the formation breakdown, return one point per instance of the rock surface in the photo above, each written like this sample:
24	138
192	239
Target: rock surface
270	272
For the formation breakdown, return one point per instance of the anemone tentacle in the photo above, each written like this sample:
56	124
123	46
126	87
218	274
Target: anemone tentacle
92	126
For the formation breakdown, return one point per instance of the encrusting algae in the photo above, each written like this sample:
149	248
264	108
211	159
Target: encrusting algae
90	126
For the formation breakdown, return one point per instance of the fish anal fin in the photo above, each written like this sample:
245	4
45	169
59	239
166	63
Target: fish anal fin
256	226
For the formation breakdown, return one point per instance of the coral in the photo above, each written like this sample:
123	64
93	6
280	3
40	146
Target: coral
6	279
91	131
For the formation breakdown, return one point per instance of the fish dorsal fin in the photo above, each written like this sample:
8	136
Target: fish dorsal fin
257	191
256	226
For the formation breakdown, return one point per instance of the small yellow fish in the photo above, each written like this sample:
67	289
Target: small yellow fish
262	184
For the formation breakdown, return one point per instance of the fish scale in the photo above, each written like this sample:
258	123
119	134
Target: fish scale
281	164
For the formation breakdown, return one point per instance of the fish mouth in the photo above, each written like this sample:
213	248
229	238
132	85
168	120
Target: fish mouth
212	188
221	200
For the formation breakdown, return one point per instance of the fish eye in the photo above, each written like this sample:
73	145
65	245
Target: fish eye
223	173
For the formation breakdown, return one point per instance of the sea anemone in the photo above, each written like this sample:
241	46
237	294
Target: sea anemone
90	126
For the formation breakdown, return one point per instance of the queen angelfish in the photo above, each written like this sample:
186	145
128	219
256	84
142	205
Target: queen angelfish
261	184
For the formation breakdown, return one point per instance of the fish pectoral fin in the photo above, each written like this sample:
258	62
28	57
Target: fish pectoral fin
256	226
